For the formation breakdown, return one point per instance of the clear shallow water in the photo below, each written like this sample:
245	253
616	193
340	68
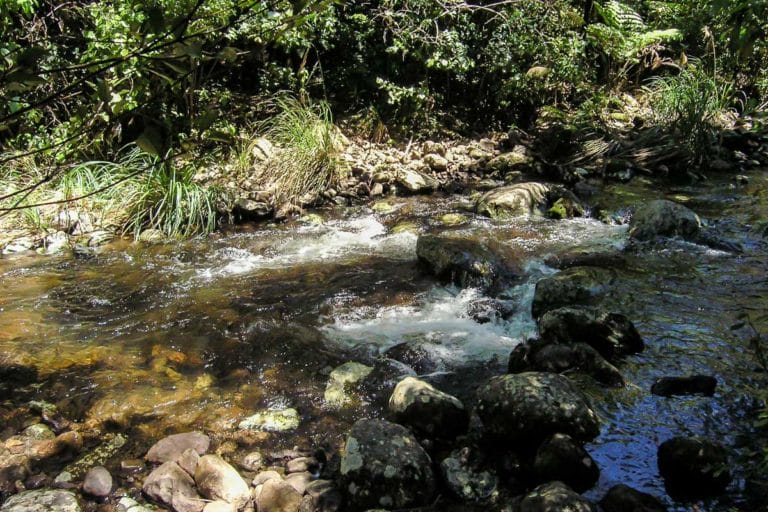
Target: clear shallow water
204	333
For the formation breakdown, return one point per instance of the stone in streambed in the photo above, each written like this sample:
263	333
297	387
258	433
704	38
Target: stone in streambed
553	497
548	356
216	479
693	467
321	496
691	385
663	218
342	381
427	411
468	482
526	408
622	498
42	500
573	286
415	182
413	355
560	458
172	487
278	496
464	262
98	482
172	447
272	420
613	335
383	465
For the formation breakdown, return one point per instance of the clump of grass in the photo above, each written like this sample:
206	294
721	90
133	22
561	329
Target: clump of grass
305	163
166	198
689	105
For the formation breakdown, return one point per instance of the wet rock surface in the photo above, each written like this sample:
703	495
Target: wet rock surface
663	218
464	262
43	500
427	411
573	286
553	497
559	458
689	385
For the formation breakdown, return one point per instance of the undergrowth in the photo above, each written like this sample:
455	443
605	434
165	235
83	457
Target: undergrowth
305	161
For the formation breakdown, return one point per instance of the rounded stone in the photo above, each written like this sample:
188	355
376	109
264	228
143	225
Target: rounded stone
383	465
97	482
42	500
428	411
526	408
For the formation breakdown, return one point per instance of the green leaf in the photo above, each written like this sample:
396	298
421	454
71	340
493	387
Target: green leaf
150	141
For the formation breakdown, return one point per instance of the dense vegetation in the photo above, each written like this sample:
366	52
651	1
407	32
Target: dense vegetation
187	80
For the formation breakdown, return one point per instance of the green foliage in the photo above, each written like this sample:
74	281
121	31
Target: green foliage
305	164
689	105
624	36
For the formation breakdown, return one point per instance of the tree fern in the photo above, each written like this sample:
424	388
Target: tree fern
623	34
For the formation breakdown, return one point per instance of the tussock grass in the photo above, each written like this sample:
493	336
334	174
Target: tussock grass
135	192
305	162
688	106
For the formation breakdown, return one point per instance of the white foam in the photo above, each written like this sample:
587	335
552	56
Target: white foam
333	241
441	323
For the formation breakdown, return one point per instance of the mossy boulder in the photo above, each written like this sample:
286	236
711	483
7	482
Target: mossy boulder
429	412
663	218
575	286
383	465
526	408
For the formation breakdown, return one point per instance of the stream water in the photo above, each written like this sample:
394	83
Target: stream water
149	340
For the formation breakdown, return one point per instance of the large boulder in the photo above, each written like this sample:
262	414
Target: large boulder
383	465
553	497
42	500
216	479
663	218
464	262
526	199
545	355
693	467
430	413
172	487
170	448
560	458
622	498
611	334
415	182
575	286
526	408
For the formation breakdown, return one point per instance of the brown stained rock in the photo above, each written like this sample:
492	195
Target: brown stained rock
171	486
216	479
278	496
172	447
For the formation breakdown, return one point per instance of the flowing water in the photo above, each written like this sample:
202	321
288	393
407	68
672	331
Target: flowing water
154	339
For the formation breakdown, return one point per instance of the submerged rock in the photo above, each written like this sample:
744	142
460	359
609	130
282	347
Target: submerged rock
694	384
427	411
171	447
693	467
383	465
663	218
272	420
42	500
560	458
342	381
622	498
526	408
321	496
464	262
413	355
611	334
553	497
573	286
